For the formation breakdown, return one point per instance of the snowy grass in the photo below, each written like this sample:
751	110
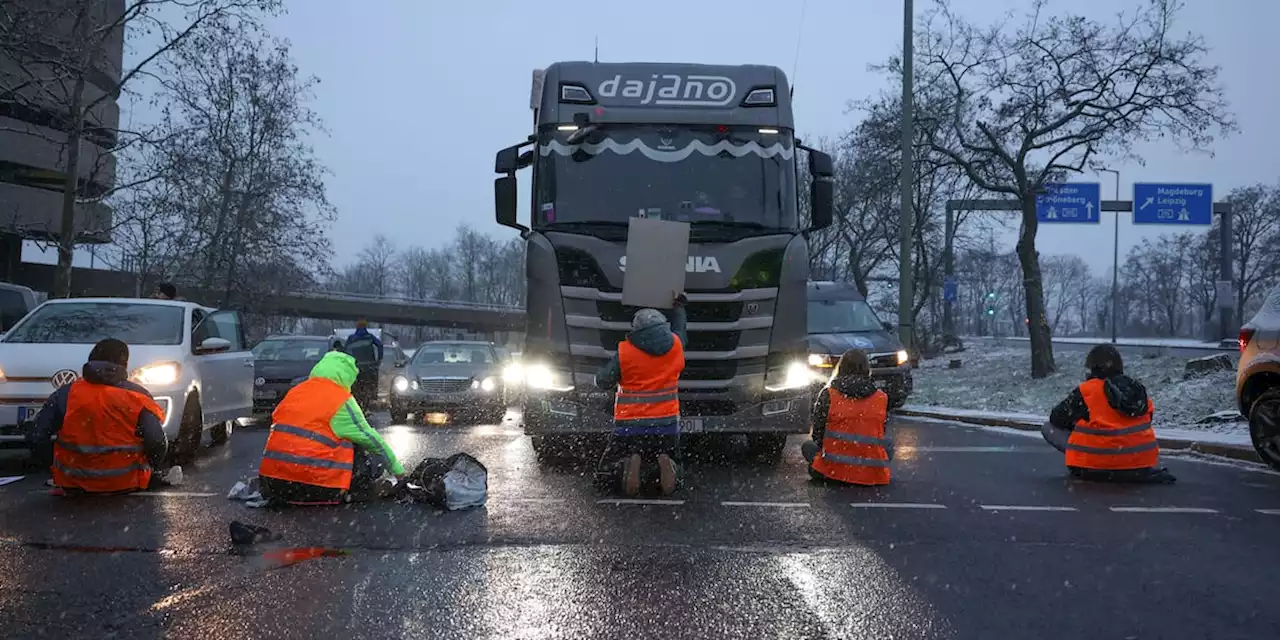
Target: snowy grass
999	380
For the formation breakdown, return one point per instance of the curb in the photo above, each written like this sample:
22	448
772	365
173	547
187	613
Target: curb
1233	452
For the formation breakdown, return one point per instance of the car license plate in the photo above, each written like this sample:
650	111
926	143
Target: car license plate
691	425
27	413
264	395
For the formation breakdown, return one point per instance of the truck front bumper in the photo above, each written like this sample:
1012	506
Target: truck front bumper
551	413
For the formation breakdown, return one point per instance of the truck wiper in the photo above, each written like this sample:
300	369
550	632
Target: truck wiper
585	224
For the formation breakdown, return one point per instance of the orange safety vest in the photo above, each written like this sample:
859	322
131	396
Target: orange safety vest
1110	440
853	446
302	447
98	448
650	385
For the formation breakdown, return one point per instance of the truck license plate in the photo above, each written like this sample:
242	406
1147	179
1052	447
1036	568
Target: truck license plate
27	413
691	425
264	395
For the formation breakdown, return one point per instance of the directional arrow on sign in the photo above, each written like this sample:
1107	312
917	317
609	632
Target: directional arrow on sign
1147	202
1088	207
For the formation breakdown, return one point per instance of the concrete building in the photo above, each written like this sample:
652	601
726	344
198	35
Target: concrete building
34	99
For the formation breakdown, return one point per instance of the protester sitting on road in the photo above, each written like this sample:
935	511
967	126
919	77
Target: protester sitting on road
1104	425
165	291
321	449
110	431
847	440
646	412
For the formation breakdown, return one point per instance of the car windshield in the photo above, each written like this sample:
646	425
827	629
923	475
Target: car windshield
711	177
297	350
842	316
453	353
135	323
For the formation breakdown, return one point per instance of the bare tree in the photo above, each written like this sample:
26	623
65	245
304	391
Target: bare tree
59	52
1255	230
1034	102
1066	279
377	262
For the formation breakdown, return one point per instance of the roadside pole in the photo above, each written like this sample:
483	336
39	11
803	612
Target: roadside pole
906	268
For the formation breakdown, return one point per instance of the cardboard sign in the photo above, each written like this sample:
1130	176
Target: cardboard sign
657	251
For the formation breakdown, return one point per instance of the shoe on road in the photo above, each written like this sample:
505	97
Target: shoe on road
666	474
631	475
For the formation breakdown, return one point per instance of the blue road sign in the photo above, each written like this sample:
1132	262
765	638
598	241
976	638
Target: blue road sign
1079	202
1172	203
950	289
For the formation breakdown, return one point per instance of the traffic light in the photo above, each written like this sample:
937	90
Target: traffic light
991	303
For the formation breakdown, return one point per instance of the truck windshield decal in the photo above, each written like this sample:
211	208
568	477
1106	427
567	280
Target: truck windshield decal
751	147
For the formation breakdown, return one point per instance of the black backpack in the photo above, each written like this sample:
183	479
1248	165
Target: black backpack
456	482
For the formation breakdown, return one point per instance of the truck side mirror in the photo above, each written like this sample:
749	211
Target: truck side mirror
821	190
507	160
505	198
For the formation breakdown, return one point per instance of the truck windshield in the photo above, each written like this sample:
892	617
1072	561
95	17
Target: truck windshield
709	176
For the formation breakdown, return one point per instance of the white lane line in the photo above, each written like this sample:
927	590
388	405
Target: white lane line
1162	510
1024	507
781	505
619	501
898	505
534	500
966	449
173	494
1268	512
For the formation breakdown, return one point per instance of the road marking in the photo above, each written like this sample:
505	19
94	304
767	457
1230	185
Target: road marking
1162	510
966	449
618	501
1269	512
173	494
899	505
1024	507
783	505
534	500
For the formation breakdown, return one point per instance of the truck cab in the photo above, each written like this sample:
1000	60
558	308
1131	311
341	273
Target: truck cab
710	145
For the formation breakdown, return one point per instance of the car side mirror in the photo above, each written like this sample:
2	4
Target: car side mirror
399	364
214	345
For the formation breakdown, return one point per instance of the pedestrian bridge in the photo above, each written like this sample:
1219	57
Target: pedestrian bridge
329	305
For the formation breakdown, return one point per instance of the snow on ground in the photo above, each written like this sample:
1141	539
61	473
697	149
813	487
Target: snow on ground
998	380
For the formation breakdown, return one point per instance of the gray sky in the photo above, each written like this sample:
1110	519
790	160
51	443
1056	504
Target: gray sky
419	94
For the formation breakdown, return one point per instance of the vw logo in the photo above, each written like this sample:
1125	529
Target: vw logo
258	382
63	378
753	308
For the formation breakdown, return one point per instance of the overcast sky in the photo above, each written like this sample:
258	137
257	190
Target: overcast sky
419	94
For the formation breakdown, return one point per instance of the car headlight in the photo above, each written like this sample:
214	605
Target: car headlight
513	373
486	385
159	374
797	375
543	378
817	360
903	356
400	384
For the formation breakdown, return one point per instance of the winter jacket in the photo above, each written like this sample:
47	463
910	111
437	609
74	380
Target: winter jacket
349	422
363	334
1124	394
857	387
655	340
49	420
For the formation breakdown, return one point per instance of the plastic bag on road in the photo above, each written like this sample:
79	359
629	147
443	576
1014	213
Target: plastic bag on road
457	482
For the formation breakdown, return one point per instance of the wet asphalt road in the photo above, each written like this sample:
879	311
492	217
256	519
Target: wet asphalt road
980	536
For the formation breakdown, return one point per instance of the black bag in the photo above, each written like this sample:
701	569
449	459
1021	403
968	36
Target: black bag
452	483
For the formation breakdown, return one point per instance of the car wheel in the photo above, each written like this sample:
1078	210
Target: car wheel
399	415
896	402
189	432
222	433
766	446
1264	427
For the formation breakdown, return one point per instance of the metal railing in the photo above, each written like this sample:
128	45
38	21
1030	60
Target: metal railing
397	299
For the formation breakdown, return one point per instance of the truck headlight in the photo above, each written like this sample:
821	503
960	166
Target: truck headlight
817	359
159	374
513	373
903	356
400	384
543	378
796	375
487	385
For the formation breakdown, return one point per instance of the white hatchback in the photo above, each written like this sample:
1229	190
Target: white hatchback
193	359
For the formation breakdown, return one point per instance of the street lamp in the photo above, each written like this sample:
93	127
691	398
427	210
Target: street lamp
1115	257
906	275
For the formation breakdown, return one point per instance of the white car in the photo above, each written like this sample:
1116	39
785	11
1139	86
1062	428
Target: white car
194	360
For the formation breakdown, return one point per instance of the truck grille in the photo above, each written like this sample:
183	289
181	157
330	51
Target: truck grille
444	385
693	369
698	340
613	311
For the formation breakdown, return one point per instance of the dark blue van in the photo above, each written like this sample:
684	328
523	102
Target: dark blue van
840	319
